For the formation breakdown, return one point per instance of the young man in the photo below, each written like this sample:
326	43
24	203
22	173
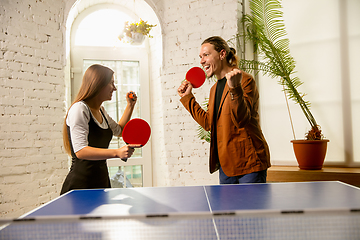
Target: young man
238	148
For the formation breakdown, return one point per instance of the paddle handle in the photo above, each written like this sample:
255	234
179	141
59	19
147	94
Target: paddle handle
125	159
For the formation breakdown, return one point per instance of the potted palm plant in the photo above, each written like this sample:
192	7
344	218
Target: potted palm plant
265	29
136	32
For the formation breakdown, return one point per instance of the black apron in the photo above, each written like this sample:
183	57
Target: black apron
89	174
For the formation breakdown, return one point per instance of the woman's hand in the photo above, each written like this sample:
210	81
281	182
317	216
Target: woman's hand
184	89
127	151
93	153
234	78
131	98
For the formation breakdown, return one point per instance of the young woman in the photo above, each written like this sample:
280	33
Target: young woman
88	130
238	148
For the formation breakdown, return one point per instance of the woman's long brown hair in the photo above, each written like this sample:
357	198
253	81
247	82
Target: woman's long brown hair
95	78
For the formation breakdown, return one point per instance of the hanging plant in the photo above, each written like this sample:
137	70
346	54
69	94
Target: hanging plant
136	31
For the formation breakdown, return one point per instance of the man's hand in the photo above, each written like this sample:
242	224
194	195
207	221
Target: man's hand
185	88
234	78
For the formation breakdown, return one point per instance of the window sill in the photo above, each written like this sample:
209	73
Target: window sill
295	174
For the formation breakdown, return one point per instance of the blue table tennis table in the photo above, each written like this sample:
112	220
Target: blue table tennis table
304	210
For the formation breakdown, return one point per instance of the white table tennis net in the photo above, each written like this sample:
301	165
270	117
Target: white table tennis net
333	225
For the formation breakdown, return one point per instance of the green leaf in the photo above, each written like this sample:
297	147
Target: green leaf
265	28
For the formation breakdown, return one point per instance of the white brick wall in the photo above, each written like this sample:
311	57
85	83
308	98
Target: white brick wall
32	161
184	158
32	94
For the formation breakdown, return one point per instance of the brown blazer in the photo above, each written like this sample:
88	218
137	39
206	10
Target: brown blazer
242	148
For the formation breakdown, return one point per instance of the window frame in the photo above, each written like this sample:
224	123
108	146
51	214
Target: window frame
126	53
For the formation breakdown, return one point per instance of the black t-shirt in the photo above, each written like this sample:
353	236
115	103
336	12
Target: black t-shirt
218	94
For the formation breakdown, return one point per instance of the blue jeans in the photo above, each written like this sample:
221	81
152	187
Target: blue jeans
255	177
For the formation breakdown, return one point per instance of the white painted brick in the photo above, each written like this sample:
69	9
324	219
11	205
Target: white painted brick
18	170
5	73
40	70
35	102
53	56
11	110
26	67
28	42
43	86
12	101
57	104
51	64
35	94
15	31
17	93
41	53
20	143
9	55
41	37
15	179
54	72
40	19
23	76
26	202
47	79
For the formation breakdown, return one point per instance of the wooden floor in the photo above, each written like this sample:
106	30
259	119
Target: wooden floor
294	174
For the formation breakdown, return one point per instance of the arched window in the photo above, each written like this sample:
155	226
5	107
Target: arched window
101	28
94	40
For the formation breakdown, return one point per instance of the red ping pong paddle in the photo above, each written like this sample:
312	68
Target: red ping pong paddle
196	76
136	131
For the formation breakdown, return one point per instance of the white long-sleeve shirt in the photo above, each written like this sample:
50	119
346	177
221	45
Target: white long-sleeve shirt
78	120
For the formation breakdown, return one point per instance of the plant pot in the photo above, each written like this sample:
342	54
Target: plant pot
310	154
136	38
